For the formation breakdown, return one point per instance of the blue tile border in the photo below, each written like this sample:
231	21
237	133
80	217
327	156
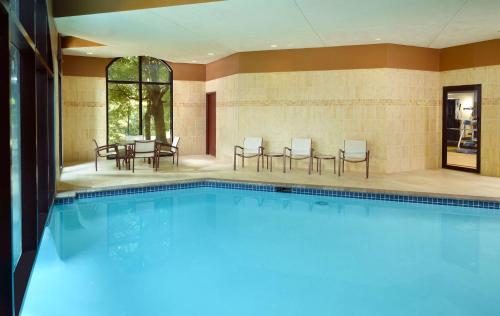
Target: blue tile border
394	197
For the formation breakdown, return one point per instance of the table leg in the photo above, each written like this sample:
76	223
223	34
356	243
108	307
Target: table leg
320	165
271	163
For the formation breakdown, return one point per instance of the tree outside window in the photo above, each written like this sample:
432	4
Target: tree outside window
139	96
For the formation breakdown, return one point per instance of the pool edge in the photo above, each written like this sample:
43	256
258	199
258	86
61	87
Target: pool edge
69	197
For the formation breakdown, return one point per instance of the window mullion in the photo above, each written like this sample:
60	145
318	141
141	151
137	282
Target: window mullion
140	96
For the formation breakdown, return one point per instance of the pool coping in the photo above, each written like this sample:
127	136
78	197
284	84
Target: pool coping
69	197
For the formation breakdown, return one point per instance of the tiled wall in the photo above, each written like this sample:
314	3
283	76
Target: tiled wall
396	111
84	116
489	78
189	116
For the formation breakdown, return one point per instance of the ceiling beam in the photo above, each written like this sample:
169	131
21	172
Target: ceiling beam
77	7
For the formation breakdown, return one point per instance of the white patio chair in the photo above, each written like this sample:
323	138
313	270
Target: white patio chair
354	151
301	149
252	147
167	150
143	149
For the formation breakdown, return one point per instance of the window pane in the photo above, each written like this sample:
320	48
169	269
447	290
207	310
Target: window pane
124	69
14	7
154	70
156	104
15	145
123	111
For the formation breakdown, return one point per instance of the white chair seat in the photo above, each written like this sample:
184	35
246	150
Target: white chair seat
300	156
144	155
355	157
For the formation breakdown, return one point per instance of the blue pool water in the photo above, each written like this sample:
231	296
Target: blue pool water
208	251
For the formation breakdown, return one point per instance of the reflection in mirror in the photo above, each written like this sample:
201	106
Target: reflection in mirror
462	129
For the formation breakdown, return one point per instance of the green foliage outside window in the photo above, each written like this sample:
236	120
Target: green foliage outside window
125	81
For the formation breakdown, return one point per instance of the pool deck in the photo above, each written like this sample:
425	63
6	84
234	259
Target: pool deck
439	182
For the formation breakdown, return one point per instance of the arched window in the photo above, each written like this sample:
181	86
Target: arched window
139	99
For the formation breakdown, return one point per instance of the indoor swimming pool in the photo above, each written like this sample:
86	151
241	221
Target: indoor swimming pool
215	251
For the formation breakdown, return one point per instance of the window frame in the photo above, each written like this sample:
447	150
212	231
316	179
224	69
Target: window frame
140	83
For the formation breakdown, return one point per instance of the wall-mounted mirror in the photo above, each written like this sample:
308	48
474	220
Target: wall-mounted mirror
461	127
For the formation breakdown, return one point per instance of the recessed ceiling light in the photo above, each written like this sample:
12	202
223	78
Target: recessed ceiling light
274	45
378	39
89	53
210	54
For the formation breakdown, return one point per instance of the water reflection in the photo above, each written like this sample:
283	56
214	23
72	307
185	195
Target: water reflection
135	233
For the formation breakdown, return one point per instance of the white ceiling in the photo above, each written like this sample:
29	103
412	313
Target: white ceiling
189	33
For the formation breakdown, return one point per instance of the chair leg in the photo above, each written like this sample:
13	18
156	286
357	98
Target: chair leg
242	161
290	162
234	162
310	164
177	158
367	165
284	163
133	165
96	163
258	163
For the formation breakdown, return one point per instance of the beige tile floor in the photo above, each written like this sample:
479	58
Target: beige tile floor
83	176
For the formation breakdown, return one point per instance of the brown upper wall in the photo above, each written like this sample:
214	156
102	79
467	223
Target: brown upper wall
226	66
79	7
479	54
72	41
96	67
410	57
188	72
327	58
84	66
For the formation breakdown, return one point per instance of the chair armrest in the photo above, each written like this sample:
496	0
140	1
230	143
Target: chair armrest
104	147
237	147
341	153
113	147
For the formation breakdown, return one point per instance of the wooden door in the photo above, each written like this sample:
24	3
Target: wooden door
211	123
